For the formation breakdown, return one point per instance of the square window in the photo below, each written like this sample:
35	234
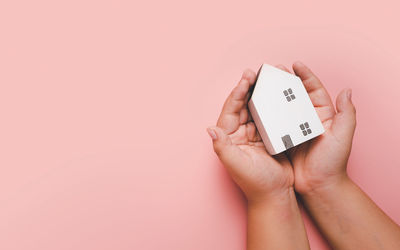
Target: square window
285	92
290	91
304	132
288	98
301	126
293	97
306	124
309	131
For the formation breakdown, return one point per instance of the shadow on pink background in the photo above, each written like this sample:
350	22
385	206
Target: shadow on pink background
104	106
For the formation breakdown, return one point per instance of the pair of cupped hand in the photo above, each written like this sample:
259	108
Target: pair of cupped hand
312	165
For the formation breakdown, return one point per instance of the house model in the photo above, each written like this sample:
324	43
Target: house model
282	110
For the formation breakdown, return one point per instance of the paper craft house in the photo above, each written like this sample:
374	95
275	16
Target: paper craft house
282	110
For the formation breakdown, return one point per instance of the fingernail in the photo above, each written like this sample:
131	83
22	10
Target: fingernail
245	74
212	133
349	92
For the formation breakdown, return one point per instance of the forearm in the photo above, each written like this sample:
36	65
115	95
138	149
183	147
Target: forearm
349	219
276	223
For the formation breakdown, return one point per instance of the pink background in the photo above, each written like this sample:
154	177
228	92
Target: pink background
104	106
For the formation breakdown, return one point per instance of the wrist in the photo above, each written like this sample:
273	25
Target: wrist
329	186
276	198
274	220
306	183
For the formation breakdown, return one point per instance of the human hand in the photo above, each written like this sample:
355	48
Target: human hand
323	160
241	150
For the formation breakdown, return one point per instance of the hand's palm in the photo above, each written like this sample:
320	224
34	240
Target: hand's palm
325	156
247	160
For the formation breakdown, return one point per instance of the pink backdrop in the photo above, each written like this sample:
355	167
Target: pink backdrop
104	106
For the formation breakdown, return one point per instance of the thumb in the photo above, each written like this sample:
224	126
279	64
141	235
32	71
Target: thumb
344	122
227	152
221	140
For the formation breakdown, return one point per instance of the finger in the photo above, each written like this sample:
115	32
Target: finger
344	122
310	80
227	152
249	117
282	67
319	96
229	118
252	132
325	113
243	116
239	94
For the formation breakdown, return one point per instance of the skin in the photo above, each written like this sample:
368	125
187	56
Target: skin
274	220
316	170
346	216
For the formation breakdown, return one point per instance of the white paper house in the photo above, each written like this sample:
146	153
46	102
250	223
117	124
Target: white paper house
282	110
